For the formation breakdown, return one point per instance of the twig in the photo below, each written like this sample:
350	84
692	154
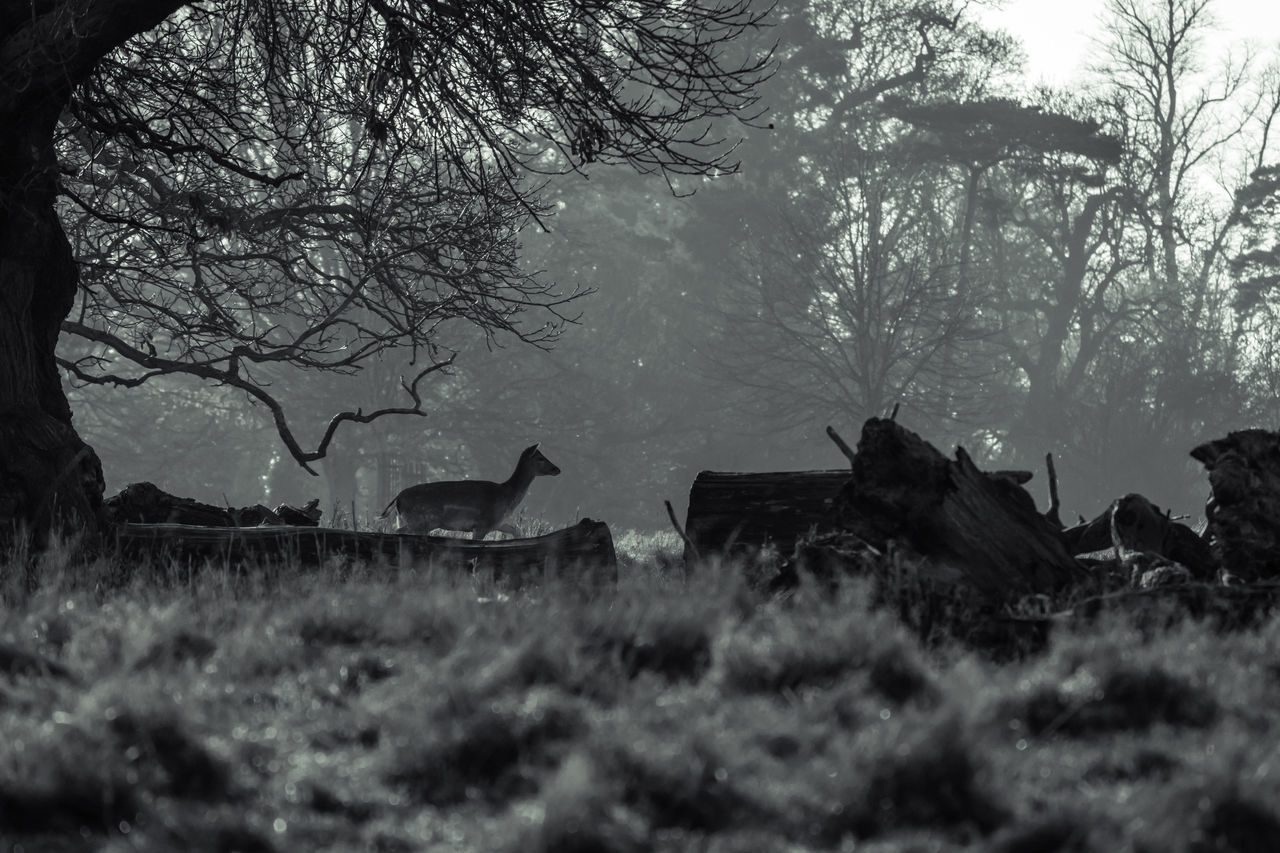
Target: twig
840	443
688	543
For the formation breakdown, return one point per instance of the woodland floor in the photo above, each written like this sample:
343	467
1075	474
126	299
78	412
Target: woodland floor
367	710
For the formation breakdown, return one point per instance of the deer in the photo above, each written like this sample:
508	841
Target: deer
478	506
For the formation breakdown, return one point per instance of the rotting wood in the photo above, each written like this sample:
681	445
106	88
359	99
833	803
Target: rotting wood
1244	511
985	525
583	552
1133	523
738	513
146	503
1054	512
690	549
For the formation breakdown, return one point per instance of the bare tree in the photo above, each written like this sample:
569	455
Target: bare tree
1116	317
855	301
846	288
306	182
1183	124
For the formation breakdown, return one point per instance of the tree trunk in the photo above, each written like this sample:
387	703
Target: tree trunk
50	480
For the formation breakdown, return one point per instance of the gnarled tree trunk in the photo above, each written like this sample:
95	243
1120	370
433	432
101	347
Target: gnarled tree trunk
49	478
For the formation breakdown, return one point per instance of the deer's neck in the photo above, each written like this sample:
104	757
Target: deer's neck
518	483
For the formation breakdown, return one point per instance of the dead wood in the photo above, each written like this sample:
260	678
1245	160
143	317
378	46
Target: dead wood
1088	537
1053	513
983	525
1244	511
732	513
584	551
146	503
1134	524
689	547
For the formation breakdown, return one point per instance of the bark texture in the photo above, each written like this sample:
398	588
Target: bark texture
50	480
1244	511
984	526
738	513
146	503
1133	523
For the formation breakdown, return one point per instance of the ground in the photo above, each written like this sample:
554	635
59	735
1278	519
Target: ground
365	709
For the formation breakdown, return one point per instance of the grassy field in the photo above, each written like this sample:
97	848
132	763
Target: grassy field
364	709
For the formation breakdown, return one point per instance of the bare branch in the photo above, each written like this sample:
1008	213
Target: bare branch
840	443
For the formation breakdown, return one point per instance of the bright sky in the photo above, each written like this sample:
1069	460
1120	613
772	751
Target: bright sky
1058	34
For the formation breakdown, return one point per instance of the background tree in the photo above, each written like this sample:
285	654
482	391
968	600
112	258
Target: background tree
844	290
1166	373
854	300
308	176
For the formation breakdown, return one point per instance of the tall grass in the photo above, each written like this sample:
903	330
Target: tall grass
364	709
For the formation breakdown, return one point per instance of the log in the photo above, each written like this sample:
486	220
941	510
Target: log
584	552
146	503
1244	510
735	514
985	526
1133	523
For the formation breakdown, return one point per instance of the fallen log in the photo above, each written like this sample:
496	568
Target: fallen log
733	514
1244	510
1133	523
584	552
985	526
146	503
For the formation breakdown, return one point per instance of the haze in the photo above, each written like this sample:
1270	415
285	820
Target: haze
872	252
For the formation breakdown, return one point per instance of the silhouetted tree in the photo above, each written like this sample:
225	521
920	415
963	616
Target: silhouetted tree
306	182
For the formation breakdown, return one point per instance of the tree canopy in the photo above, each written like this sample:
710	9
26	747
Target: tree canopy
253	188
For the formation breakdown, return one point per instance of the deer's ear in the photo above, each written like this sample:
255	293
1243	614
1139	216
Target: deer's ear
532	447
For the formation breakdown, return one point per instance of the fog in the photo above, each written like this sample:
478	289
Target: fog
1016	269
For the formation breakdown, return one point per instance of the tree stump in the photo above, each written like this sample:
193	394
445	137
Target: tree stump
1244	511
984	525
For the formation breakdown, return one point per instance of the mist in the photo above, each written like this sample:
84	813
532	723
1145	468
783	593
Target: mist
1022	271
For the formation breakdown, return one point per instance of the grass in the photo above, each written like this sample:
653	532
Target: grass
327	711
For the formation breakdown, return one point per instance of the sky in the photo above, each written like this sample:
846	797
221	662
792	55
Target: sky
1058	34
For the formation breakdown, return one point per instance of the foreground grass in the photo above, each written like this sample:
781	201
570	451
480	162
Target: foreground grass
383	712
